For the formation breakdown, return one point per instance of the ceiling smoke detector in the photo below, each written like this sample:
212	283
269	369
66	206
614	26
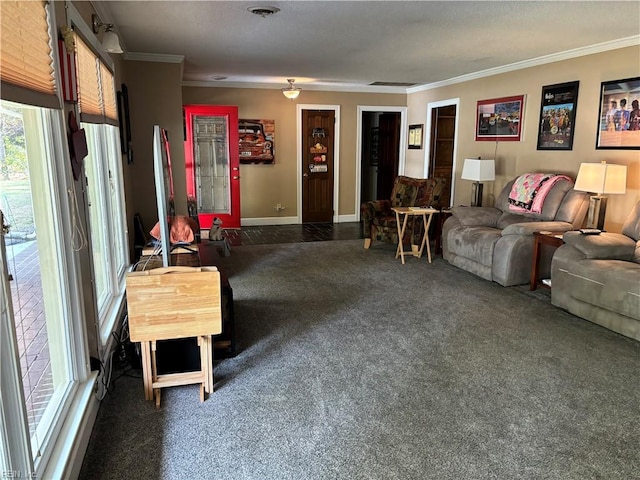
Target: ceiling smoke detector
263	11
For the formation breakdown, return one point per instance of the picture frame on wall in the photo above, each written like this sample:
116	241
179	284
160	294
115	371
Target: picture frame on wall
619	115
557	116
500	119
415	136
257	139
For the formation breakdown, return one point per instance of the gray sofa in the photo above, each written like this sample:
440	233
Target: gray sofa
597	277
497	244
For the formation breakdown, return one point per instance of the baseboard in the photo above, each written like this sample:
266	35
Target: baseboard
250	222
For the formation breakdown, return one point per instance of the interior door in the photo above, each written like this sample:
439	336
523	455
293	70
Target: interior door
212	162
442	142
317	170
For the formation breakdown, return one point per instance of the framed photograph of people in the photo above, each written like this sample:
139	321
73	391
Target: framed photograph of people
619	116
499	119
557	116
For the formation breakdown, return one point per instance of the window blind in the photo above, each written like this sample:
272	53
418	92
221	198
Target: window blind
108	94
96	87
89	93
26	55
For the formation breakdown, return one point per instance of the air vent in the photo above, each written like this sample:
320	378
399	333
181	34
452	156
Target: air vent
263	11
392	84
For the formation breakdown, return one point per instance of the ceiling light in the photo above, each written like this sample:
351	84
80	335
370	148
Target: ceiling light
291	92
263	11
110	40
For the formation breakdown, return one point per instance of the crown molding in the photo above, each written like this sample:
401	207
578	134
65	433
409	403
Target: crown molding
153	57
534	62
317	87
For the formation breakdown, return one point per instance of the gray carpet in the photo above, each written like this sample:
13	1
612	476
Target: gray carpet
353	366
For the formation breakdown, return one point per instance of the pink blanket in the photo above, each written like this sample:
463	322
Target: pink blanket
530	189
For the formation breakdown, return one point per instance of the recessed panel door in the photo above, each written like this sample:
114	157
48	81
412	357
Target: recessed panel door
317	165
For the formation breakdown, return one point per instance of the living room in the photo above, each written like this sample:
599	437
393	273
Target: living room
149	80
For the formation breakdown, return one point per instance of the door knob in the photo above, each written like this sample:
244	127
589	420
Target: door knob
236	177
305	174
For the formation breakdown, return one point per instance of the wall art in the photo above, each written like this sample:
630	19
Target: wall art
500	119
619	116
557	116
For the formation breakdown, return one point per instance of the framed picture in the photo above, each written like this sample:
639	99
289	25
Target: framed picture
557	116
415	136
619	116
257	139
499	119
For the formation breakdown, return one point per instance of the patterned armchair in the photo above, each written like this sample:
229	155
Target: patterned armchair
379	222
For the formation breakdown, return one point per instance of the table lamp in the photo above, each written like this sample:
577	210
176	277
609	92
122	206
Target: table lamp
600	178
478	170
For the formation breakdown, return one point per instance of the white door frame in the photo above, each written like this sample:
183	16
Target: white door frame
427	140
336	155
402	154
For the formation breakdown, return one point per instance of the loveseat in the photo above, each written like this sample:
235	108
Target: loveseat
496	243
597	277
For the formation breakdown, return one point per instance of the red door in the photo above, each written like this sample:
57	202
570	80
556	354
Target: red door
212	162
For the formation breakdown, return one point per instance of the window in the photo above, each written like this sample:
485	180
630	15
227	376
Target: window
108	238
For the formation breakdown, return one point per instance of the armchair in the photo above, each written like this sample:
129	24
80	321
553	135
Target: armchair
379	222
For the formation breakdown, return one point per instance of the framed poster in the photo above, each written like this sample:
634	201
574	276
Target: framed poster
415	136
557	116
256	139
499	119
619	116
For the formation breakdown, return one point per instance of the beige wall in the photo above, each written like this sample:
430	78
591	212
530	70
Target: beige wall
263	186
514	158
155	98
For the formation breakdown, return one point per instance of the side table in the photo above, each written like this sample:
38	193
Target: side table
542	238
401	222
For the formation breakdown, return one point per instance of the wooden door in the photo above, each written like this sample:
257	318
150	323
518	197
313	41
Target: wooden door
212	162
442	142
317	165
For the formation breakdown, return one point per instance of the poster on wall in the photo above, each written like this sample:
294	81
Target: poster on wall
499	119
256	138
619	116
557	116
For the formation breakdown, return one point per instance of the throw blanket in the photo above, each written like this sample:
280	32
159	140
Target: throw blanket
529	191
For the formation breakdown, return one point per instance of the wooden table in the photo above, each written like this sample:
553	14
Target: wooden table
542	238
402	215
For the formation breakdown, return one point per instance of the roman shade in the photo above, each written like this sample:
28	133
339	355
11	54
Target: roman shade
26	55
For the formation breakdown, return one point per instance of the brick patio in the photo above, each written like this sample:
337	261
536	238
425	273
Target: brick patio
28	310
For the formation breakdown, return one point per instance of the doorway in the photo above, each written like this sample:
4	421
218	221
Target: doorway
381	145
442	125
380	157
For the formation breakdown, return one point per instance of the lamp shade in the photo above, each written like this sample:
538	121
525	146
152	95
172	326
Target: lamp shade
601	178
479	170
111	42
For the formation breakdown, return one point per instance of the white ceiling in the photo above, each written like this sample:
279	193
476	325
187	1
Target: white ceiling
348	45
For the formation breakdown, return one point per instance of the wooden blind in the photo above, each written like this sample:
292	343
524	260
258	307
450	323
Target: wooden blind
108	94
26	55
89	92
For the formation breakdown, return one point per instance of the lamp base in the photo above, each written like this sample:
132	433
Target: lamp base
596	213
476	194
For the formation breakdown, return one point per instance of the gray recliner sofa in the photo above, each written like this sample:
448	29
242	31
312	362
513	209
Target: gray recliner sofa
497	244
597	277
